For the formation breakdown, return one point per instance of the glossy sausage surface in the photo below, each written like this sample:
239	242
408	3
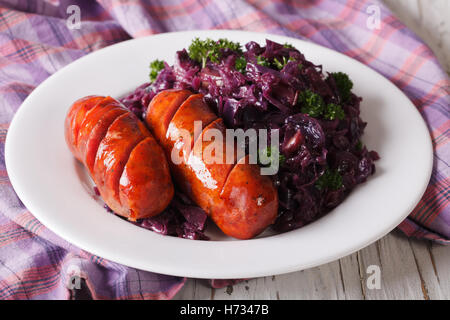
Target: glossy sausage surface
248	208
234	194
192	109
169	102
208	170
145	185
126	163
74	118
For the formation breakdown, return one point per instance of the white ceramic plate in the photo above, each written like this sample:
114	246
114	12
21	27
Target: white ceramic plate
55	188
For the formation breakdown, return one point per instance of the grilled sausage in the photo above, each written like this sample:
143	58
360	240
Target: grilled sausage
234	194
126	163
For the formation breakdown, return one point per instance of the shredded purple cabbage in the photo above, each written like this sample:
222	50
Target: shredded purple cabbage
266	97
181	219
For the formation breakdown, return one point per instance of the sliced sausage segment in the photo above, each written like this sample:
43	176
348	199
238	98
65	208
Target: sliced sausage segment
250	202
91	120
98	133
74	118
145	185
112	155
208	166
181	134
193	109
167	102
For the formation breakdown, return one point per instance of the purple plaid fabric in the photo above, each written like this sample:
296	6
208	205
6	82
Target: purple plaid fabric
35	42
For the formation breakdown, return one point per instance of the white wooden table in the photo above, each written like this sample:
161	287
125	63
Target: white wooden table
410	269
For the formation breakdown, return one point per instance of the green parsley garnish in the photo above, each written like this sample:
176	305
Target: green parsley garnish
240	64
288	46
280	64
312	103
204	50
343	84
155	67
262	61
333	111
330	179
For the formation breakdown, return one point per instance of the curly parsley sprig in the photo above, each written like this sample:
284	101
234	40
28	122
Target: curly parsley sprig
155	67
330	179
343	84
333	111
313	105
288	46
204	50
240	64
262	61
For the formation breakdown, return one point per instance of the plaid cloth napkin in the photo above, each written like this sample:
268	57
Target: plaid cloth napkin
35	42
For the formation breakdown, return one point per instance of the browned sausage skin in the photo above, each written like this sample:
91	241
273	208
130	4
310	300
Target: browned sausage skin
250	201
125	161
74	118
235	195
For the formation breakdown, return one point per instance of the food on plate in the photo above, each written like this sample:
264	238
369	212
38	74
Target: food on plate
321	155
318	153
234	194
125	161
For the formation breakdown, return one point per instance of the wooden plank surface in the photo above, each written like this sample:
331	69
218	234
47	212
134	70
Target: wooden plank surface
410	269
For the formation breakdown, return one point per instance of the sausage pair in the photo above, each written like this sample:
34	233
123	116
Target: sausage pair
132	174
125	161
235	195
